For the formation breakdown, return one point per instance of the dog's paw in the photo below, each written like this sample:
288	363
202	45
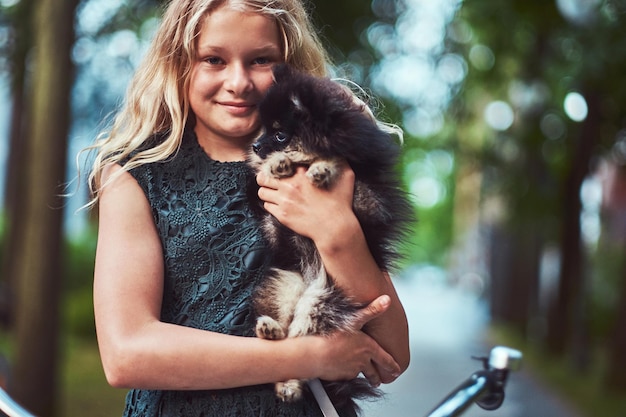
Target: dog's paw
322	173
268	328
280	166
290	390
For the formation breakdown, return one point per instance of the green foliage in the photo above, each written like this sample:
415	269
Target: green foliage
341	23
606	279
79	257
85	389
16	20
78	314
538	58
432	235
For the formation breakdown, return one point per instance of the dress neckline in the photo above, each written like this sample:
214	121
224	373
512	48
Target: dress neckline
191	137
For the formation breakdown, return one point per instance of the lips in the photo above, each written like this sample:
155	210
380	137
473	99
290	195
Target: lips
238	108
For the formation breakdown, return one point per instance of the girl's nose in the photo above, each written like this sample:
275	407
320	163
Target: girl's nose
238	80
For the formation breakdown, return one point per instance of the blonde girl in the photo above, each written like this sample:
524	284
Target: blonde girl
179	252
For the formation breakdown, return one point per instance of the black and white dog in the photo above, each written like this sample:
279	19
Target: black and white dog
318	123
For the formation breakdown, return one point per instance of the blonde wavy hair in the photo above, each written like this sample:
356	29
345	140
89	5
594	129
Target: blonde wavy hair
156	100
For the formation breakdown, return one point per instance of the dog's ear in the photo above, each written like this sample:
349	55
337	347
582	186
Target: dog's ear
286	80
282	72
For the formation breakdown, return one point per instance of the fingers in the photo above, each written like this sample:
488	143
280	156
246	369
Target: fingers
386	369
374	309
379	367
372	376
389	374
266	181
346	355
269	189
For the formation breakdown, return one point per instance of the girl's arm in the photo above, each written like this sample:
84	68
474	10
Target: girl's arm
327	218
140	351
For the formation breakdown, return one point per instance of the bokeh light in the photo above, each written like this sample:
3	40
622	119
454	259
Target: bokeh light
499	115
575	106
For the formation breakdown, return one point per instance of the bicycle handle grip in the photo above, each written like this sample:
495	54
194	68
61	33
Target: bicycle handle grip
505	358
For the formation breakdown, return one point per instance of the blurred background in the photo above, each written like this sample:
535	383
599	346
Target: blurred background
514	114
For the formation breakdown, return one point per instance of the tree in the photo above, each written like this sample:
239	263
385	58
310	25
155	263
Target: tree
616	373
37	253
18	20
531	59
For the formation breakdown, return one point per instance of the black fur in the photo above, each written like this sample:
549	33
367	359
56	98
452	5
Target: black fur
316	122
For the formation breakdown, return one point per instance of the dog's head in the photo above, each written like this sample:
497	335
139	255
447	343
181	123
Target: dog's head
310	114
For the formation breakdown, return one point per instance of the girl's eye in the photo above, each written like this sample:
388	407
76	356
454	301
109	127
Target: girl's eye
262	61
281	137
213	60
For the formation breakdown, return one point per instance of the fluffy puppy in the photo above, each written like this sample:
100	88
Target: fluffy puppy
318	123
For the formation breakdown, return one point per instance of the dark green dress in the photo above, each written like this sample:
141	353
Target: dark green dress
214	256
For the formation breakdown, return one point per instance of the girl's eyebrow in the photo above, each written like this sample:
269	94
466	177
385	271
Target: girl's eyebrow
263	49
269	48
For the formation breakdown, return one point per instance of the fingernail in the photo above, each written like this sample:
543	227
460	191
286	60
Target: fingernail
385	301
392	369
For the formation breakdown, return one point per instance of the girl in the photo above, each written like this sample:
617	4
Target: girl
179	251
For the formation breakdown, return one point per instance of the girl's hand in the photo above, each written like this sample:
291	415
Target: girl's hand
348	354
306	209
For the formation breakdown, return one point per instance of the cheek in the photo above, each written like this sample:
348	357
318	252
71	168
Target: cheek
264	82
201	86
194	91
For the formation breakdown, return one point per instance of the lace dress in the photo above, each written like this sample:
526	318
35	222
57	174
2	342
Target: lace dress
214	256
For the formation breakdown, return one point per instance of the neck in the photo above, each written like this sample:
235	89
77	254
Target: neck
231	150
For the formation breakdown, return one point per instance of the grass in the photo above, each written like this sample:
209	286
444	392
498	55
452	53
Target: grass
585	391
85	390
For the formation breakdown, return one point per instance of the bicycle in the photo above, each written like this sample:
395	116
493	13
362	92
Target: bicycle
484	387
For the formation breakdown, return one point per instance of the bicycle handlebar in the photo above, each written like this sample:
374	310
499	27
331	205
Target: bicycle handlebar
11	408
484	387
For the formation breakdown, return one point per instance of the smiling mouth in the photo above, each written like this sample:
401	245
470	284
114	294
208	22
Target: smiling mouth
238	108
237	105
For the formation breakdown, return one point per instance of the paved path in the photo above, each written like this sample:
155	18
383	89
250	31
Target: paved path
447	328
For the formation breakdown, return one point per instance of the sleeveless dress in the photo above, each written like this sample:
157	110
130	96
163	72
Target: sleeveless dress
214	256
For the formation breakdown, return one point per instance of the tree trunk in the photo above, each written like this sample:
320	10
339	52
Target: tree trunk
38	252
13	200
500	256
616	375
515	258
524	276
562	314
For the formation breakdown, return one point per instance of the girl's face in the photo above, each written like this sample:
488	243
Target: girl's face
232	72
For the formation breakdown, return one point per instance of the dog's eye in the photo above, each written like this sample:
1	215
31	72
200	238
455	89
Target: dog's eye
281	137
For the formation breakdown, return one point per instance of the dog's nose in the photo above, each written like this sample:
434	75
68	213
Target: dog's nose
256	147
